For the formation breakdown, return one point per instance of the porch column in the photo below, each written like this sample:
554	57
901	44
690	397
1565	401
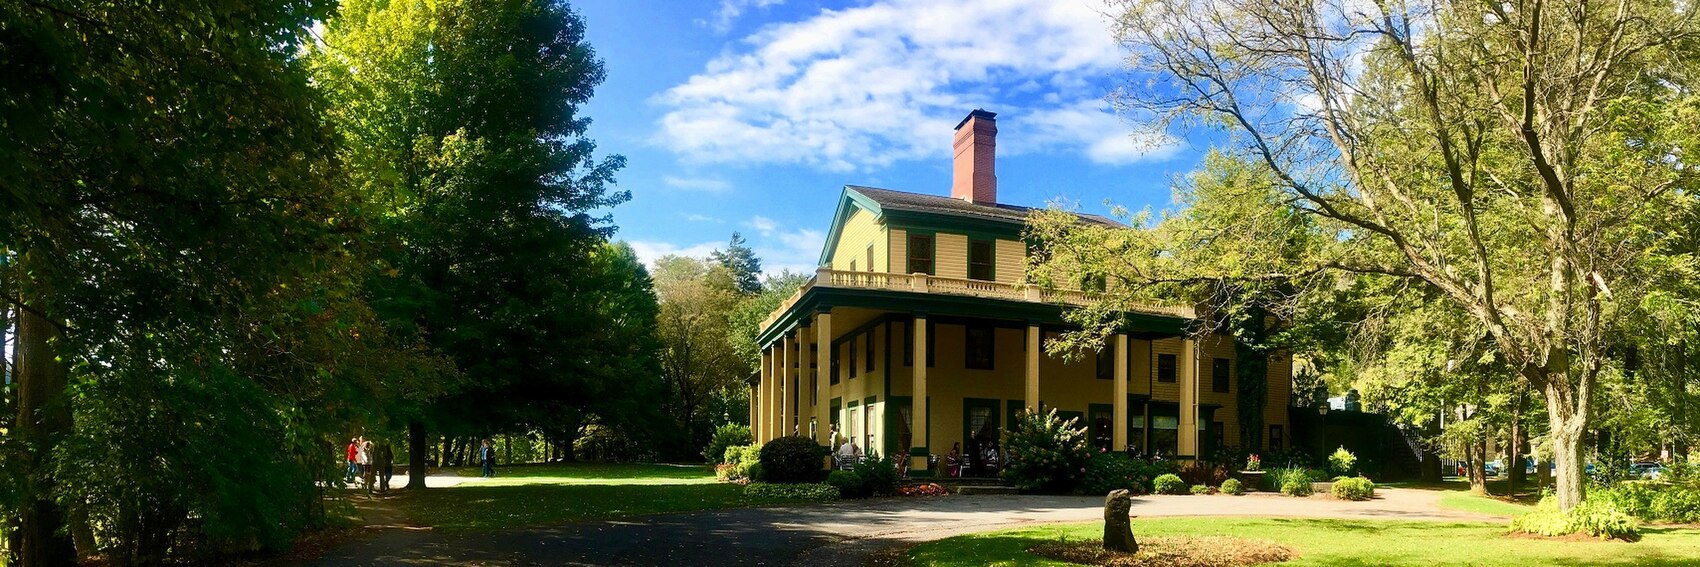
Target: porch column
1033	335
794	377
918	401
773	392
786	411
1189	399
760	428
755	412
823	377
1118	435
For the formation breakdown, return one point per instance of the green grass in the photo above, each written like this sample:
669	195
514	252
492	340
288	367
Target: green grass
1341	543
1466	502
541	495
593	473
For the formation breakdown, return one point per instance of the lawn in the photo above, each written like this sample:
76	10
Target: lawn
1466	502
593	473
541	495
1341	543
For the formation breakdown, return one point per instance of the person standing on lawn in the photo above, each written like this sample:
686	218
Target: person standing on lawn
353	459
487	455
385	461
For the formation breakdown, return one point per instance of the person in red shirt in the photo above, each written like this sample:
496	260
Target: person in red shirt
353	452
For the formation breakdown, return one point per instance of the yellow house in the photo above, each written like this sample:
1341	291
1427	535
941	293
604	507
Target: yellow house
919	334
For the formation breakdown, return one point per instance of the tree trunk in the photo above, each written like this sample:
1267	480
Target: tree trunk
1566	433
569	453
1478	466
1433	469
44	417
1514	471
417	445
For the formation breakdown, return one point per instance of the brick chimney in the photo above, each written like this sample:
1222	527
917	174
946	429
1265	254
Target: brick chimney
975	178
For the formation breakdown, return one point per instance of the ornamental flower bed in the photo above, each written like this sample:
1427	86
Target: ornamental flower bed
923	489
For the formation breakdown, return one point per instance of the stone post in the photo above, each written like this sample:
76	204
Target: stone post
1118	527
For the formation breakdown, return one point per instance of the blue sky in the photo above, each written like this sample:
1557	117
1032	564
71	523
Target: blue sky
751	115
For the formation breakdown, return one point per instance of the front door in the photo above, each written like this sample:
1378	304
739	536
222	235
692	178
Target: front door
980	437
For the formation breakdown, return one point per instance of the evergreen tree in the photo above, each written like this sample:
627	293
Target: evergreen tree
742	263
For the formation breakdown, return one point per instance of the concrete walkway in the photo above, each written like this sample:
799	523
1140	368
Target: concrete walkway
842	533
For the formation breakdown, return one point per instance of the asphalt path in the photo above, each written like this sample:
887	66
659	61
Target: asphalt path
840	533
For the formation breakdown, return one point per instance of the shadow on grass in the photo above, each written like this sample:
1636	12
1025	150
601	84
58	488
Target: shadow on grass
474	508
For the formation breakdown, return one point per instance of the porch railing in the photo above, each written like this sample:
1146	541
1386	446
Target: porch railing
923	283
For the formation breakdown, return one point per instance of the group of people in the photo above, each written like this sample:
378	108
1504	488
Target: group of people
372	465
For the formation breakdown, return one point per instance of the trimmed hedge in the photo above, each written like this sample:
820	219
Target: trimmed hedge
793	460
849	484
1233	486
1354	488
1169	484
879	476
809	491
1198	489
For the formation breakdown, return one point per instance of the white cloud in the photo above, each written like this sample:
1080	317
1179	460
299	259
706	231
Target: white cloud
780	249
869	86
706	185
729	11
649	251
763	224
693	217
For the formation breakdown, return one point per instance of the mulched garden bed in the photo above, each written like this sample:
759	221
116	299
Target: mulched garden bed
1172	551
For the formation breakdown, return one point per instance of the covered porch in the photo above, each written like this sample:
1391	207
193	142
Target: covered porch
974	359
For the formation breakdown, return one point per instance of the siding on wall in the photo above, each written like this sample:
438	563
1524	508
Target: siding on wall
952	255
1165	391
1011	262
897	262
1139	367
860	230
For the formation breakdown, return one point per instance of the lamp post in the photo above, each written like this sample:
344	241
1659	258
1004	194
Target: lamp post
1322	428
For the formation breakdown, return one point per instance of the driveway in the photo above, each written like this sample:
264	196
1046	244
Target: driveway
841	533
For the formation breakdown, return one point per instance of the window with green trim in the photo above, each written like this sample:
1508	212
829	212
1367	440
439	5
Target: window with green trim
834	364
1220	371
868	352
870	257
980	344
921	254
1166	368
980	260
852	349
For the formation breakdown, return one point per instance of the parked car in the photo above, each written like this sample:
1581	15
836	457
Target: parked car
1491	469
1649	471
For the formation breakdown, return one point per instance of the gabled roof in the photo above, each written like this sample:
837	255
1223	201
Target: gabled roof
917	202
885	202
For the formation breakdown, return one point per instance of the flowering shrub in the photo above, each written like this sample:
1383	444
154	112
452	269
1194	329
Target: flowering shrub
1343	462
1046	453
1253	463
924	489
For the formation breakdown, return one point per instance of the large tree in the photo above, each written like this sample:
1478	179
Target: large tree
1516	157
461	119
174	240
698	360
